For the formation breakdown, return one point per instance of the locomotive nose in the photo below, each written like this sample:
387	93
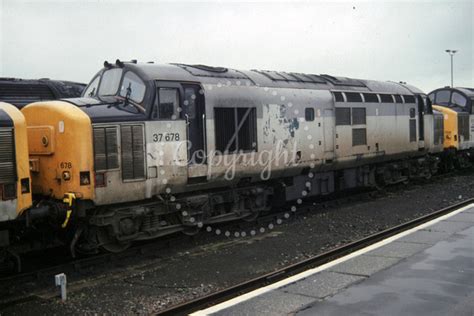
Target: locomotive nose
60	145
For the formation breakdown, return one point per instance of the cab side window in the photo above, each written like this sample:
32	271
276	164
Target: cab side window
168	99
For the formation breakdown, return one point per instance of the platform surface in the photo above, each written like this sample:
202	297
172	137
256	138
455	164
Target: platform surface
430	271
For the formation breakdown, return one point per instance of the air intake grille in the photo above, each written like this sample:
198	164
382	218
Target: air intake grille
359	136
105	148
463	126
133	157
412	130
343	116
438	129
7	156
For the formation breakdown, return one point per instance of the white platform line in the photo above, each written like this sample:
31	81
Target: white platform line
307	273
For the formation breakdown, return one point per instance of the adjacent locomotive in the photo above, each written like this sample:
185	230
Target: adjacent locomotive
15	192
21	92
154	149
15	185
457	106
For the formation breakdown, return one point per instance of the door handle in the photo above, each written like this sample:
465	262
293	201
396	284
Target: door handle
204	140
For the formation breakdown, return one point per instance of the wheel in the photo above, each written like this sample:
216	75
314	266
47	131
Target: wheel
191	230
109	243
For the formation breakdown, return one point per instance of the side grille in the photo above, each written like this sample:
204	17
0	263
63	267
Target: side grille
133	152
227	121
438	129
412	130
358	116
343	116
224	120
105	148
7	156
463	126
359	136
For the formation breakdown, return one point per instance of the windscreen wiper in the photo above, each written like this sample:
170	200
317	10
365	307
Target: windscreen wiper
127	101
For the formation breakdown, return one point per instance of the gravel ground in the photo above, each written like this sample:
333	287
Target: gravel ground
210	262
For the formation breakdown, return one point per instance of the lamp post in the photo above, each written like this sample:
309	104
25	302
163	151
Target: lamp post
451	53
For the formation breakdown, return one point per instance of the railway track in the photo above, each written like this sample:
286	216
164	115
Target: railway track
66	264
144	250
247	286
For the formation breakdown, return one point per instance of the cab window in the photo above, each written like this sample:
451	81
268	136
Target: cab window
458	99
431	96
442	97
92	88
110	82
189	104
133	87
168	103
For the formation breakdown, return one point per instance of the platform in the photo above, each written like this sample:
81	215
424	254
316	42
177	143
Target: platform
428	270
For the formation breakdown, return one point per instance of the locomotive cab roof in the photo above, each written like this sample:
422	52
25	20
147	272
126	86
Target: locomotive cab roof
460	99
204	74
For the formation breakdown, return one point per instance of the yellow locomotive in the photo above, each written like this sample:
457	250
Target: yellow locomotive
457	106
15	186
14	167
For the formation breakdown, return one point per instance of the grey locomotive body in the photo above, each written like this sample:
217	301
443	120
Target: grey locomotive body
179	146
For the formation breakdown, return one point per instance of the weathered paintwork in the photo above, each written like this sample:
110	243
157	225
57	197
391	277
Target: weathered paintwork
287	144
60	137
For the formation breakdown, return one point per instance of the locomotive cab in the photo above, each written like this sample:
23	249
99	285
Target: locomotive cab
15	192
456	105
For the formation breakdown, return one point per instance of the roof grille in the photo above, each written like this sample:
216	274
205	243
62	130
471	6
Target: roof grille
290	77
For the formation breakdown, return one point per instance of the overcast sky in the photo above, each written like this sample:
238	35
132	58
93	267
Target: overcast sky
396	40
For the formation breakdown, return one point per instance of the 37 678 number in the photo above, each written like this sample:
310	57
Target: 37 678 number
167	137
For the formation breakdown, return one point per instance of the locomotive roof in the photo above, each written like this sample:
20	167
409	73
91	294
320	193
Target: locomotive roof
21	92
277	79
468	92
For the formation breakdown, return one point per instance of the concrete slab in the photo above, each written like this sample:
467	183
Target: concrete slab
364	265
462	217
322	284
272	303
449	227
425	237
437	281
469	210
398	250
429	272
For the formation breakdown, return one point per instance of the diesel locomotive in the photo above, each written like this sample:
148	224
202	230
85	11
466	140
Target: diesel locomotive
457	106
150	150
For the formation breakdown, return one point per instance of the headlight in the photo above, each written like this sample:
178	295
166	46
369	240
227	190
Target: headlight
66	175
85	177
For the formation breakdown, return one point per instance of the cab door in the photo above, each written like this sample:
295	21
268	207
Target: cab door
421	121
193	112
328	134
